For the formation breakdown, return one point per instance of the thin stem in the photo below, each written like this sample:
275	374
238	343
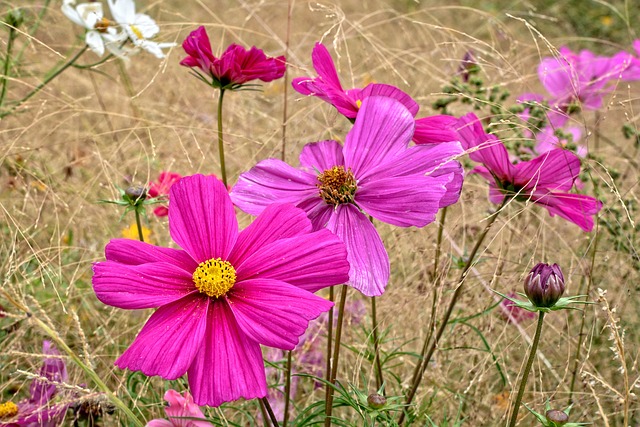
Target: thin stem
272	416
576	359
45	82
336	355
454	299
139	226
376	345
327	374
86	368
432	321
220	140
286	86
265	418
527	368
287	390
7	64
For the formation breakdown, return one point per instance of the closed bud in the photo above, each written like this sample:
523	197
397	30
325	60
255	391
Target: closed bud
14	18
544	285
136	194
557	417
376	401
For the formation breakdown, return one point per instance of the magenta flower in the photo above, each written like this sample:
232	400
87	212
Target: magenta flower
182	412
544	180
328	88
37	409
581	79
235	67
223	294
161	187
375	173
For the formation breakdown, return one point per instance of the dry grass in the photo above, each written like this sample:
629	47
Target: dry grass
85	134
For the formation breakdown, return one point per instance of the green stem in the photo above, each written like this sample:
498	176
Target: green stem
432	322
139	226
45	82
95	64
454	299
527	369
87	369
220	141
336	355
287	390
7	64
272	416
376	345
327	374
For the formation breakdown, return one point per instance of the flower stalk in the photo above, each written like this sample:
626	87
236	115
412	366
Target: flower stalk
335	359
287	390
376	345
527	369
7	63
223	169
443	324
272	416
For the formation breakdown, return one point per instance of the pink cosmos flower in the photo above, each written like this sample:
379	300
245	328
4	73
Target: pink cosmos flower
37	410
161	187
235	67
223	294
544	180
375	173
579	79
182	412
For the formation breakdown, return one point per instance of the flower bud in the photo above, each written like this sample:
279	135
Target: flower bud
376	401
136	194
544	285
14	18
557	417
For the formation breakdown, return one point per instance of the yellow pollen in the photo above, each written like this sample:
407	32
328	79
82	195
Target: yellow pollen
8	410
102	25
214	277
337	186
137	32
359	103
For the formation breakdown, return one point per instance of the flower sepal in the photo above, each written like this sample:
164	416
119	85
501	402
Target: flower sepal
134	199
554	417
563	303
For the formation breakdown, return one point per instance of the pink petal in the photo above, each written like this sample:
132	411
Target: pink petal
576	208
134	252
201	217
182	410
140	286
317	157
324	66
274	313
272	181
277	221
383	129
366	253
378	89
493	154
168	342
228	365
435	129
318	211
312	261
555	170
403	201
159	422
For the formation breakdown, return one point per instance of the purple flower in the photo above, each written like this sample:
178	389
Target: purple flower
544	285
223	294
375	173
182	412
36	411
235	67
544	180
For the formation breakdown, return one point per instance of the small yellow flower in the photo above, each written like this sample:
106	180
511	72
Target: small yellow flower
606	20
132	233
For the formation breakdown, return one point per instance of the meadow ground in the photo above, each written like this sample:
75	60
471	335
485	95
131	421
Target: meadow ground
90	132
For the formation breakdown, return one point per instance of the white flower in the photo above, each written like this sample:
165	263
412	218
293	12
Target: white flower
99	31
138	26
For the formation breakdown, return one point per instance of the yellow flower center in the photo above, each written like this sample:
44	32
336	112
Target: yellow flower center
359	103
8	410
137	32
337	186
214	277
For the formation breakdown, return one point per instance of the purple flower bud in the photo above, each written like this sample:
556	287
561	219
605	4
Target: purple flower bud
376	401
557	417
544	285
